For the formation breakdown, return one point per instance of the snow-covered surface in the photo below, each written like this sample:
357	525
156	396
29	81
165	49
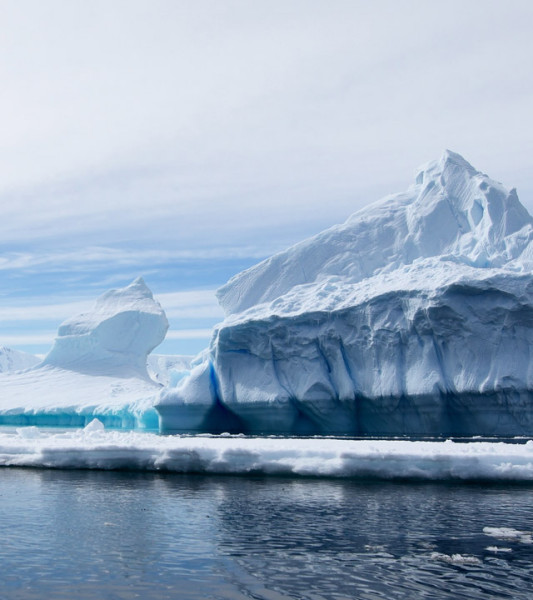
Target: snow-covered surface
15	360
95	447
413	317
97	367
50	396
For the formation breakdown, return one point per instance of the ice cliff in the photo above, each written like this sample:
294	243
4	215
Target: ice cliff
415	316
97	367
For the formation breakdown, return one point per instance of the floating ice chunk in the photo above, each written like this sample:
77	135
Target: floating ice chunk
94	425
456	559
508	534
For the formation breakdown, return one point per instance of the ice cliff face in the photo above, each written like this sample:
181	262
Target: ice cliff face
413	317
115	338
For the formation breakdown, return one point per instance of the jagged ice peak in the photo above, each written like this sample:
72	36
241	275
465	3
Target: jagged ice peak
451	212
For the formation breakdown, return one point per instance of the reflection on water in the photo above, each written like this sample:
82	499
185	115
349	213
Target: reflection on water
76	534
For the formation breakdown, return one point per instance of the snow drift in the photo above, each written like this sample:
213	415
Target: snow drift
413	317
97	367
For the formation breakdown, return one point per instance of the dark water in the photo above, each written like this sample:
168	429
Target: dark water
80	534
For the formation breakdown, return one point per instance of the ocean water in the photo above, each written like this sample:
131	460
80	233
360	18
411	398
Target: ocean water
119	535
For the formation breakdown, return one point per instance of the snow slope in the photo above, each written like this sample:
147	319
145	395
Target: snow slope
15	360
97	367
413	317
96	448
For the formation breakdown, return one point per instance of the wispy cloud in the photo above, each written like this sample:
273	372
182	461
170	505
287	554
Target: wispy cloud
28	339
97	256
192	304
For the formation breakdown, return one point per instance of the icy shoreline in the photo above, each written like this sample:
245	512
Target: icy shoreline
96	448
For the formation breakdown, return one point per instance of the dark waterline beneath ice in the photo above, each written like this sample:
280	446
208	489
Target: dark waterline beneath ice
79	534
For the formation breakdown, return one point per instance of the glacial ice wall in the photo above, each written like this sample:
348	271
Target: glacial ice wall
413	317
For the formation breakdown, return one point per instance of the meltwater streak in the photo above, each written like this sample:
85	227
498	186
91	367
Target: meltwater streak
96	448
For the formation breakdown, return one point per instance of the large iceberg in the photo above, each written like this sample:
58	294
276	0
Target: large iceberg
97	367
414	317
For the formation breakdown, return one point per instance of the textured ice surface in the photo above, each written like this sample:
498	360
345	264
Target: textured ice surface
99	449
413	317
97	367
15	360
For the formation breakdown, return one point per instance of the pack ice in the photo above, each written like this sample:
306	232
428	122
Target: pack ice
415	316
96	367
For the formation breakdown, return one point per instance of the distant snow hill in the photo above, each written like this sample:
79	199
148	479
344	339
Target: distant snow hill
15	360
414	317
96	368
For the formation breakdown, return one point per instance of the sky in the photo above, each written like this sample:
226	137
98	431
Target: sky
185	141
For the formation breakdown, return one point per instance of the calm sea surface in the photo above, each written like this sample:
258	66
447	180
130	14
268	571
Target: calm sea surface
83	534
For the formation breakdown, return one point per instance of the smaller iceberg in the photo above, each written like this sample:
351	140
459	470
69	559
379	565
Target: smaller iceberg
97	368
115	338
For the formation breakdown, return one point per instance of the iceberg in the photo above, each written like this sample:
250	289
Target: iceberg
96	367
414	317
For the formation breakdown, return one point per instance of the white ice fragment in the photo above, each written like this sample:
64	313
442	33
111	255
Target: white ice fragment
456	559
509	534
94	426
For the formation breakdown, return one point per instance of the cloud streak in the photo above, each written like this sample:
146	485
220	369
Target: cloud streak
221	132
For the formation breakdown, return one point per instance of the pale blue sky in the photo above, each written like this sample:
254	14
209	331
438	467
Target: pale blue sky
185	141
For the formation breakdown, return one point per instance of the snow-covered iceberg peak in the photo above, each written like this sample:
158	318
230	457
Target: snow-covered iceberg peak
452	212
115	337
